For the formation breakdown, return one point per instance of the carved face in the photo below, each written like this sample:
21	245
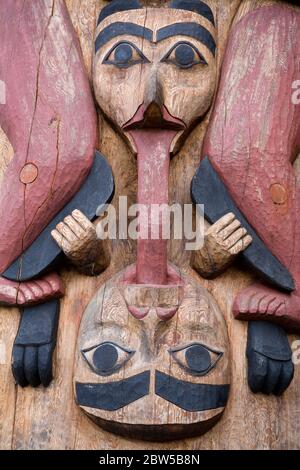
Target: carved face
148	377
155	56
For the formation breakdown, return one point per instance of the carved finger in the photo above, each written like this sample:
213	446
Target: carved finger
28	292
223	222
285	378
45	364
237	236
45	287
31	366
18	366
272	377
35	288
254	302
257	371
61	241
241	245
229	230
74	226
82	220
66	232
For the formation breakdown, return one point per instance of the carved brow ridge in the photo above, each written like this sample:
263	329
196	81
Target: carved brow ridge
193	30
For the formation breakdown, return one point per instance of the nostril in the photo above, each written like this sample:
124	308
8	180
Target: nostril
138	312
166	313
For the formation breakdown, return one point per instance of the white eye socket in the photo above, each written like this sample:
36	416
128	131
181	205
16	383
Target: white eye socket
196	358
185	55
106	358
124	55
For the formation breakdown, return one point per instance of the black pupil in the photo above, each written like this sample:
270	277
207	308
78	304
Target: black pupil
198	358
105	357
123	54
185	55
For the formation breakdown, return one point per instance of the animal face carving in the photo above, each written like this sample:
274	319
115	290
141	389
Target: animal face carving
155	57
140	375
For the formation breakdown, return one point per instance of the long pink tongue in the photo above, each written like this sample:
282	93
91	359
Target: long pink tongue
153	155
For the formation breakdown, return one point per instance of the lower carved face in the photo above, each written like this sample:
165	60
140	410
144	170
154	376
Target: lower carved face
152	378
162	56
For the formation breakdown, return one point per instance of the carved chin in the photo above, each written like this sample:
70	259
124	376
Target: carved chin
159	432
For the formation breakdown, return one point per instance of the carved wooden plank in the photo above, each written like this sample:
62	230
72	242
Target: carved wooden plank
268	419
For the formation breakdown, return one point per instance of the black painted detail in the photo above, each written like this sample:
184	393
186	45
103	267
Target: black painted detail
34	345
184	55
44	254
117	6
121	29
208	189
193	30
196	358
270	366
124	55
190	396
196	6
106	358
112	396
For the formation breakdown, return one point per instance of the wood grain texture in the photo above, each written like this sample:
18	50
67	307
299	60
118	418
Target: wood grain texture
49	418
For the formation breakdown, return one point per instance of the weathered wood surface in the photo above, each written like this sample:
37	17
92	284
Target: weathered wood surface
49	418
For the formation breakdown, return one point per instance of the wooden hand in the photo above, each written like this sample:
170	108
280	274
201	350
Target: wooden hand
223	242
77	237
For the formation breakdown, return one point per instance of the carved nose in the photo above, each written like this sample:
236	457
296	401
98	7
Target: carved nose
163	313
153	91
153	116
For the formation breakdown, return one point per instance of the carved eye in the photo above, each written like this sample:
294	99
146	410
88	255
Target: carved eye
185	55
124	55
106	358
196	358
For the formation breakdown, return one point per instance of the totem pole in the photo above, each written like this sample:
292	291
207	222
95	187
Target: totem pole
153	355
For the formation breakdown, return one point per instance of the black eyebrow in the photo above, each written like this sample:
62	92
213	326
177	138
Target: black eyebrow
193	30
118	6
195	6
120	29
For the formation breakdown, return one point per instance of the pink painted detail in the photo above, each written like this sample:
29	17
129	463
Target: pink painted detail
49	118
130	277
32	292
153	116
254	132
166	314
259	302
253	139
152	130
138	312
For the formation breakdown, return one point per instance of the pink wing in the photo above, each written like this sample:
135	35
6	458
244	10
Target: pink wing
49	118
254	134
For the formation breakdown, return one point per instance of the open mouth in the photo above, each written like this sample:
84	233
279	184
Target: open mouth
154	117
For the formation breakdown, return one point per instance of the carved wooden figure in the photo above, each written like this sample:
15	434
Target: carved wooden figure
198	95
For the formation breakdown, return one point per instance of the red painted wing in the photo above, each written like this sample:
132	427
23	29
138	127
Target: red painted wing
254	134
49	118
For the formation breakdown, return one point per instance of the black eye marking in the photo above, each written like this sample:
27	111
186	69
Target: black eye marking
124	55
196	358
185	55
106	358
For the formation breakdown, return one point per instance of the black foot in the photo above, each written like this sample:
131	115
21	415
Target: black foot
270	367
34	345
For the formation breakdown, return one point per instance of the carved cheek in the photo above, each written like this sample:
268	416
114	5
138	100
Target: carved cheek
114	91
188	93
